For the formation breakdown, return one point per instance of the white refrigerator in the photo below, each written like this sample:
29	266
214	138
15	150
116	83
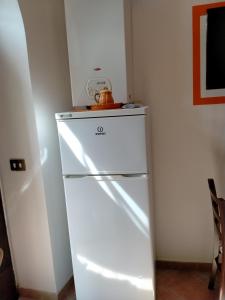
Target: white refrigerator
106	181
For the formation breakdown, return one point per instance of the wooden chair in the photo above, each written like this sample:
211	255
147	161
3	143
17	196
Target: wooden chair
218	263
1	256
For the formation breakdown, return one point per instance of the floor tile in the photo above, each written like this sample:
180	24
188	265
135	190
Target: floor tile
174	285
183	285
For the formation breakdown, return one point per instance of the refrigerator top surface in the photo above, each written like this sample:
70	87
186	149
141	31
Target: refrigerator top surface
102	113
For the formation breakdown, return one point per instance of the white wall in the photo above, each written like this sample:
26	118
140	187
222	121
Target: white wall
48	59
23	192
188	142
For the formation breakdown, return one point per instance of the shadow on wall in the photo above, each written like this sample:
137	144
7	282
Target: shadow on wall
218	150
44	24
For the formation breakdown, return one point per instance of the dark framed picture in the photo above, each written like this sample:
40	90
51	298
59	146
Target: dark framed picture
208	53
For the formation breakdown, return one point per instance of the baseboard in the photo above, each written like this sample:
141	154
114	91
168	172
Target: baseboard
40	295
194	266
68	287
36	295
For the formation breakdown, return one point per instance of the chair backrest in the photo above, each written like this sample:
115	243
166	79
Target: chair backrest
218	207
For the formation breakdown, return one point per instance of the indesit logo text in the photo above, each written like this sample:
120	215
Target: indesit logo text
100	131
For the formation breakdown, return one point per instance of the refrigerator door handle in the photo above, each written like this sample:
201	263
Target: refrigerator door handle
75	176
134	175
107	176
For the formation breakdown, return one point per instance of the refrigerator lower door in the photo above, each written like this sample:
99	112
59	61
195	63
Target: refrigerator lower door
110	238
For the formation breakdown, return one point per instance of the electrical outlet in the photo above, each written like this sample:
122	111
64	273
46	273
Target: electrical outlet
17	164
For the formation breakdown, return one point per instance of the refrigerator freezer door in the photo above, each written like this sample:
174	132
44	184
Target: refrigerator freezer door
110	237
111	145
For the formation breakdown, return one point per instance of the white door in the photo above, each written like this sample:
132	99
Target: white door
111	145
110	237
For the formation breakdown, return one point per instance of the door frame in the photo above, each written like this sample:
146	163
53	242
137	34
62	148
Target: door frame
2	194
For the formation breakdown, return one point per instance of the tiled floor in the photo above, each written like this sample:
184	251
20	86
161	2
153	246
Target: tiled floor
183	285
178	285
175	285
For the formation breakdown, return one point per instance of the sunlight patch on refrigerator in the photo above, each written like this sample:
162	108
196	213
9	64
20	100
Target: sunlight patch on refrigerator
72	141
133	211
106	181
140	283
132	205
